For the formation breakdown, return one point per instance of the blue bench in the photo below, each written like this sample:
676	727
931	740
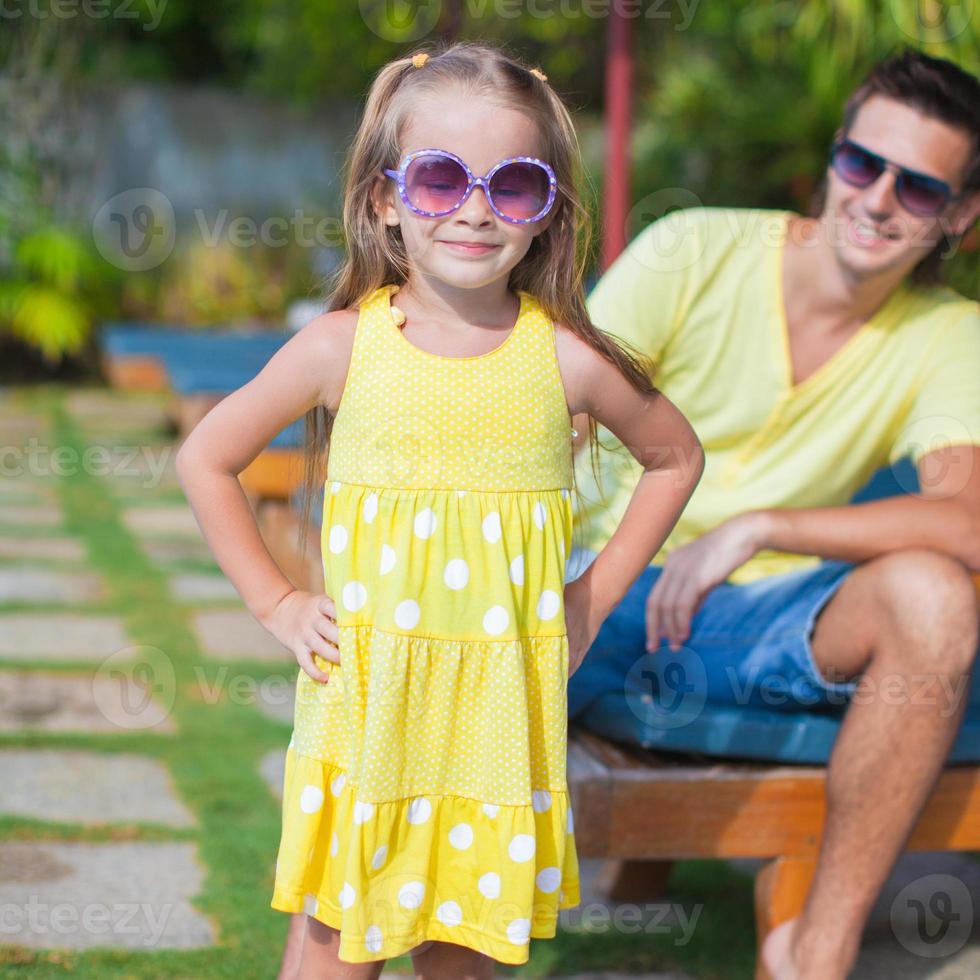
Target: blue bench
142	356
130	339
202	366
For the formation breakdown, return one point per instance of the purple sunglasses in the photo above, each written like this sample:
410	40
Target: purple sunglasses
434	183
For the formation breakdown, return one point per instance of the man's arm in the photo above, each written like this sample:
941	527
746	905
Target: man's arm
944	516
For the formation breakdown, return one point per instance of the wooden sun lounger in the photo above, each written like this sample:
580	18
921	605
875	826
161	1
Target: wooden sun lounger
643	810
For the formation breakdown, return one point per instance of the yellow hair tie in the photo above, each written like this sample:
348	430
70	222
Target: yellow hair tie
419	59
538	73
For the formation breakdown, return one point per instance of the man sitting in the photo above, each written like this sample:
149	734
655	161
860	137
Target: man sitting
807	353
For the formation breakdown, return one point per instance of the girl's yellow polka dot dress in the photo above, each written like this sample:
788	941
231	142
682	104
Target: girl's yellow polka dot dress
425	794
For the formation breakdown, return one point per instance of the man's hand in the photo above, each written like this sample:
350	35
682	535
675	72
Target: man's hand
693	570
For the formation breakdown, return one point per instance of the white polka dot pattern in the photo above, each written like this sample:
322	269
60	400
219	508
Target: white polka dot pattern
425	793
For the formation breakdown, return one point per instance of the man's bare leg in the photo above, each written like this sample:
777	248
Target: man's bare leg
907	623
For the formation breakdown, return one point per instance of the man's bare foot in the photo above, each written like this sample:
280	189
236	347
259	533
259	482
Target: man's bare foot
775	956
788	954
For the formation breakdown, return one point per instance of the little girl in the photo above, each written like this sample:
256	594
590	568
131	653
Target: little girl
425	803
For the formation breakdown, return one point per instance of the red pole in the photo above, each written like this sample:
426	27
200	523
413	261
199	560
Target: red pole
619	82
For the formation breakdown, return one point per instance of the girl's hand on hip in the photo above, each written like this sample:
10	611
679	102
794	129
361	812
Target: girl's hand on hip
583	617
306	623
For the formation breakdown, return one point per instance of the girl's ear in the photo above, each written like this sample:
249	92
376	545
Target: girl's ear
382	200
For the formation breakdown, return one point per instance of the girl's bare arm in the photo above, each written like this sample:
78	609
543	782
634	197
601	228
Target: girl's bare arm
658	436
310	369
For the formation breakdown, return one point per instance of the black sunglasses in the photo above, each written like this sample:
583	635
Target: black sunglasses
918	193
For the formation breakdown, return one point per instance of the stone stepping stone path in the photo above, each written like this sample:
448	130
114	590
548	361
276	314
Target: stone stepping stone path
142	470
23	490
78	786
94	405
44	585
60	636
201	587
272	768
33	515
235	635
18	427
170	552
159	521
277	698
46	548
59	702
131	895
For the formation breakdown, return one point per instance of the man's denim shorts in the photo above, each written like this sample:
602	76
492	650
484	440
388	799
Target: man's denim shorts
748	644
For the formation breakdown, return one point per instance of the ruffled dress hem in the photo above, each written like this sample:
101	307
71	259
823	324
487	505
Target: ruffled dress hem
358	949
482	852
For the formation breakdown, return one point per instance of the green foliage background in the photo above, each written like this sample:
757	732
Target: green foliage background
735	102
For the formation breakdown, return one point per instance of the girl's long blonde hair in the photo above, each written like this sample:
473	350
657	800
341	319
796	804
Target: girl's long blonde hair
553	269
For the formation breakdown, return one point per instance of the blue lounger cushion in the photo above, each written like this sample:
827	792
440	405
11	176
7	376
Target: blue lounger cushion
290	438
129	339
742	732
759	734
210	378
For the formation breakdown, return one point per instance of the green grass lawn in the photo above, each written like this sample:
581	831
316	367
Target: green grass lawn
213	758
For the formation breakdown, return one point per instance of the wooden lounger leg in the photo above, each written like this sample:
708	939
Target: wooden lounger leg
781	888
633	881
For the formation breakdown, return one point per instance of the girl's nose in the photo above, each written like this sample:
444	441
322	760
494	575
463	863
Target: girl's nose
475	209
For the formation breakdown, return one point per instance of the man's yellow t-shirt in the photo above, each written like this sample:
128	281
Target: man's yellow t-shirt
700	293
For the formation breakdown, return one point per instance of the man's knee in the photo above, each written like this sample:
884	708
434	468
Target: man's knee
930	598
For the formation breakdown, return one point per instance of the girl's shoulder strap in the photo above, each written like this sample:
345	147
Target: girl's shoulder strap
376	299
537	323
369	334
372	313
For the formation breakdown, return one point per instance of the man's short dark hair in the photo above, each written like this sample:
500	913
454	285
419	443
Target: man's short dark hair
936	88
